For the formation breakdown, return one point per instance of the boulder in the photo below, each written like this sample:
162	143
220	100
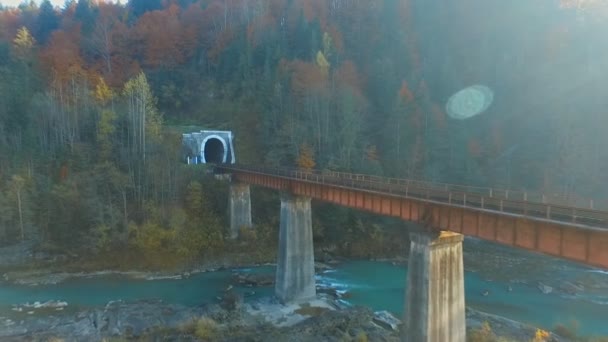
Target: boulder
249	279
231	300
386	320
571	288
546	289
129	319
320	267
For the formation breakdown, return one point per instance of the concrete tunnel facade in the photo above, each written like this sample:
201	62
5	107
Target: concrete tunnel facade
208	147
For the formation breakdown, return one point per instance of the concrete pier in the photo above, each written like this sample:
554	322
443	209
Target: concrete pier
240	208
435	309
295	278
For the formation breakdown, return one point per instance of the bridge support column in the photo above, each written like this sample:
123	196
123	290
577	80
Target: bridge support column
240	208
295	278
435	309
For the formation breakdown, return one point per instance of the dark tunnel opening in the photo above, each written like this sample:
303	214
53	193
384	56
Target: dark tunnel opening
214	151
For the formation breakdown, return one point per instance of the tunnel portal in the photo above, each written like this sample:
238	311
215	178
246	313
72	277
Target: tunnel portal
208	147
214	151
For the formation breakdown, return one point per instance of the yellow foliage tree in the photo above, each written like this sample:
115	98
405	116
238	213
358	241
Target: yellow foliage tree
23	43
323	63
306	160
151	238
372	153
146	121
103	93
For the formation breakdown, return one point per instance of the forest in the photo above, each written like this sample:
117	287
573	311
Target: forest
94	97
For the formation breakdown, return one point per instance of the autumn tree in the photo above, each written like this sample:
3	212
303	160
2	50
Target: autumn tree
144	129
145	120
9	24
23	44
306	160
164	42
62	57
106	31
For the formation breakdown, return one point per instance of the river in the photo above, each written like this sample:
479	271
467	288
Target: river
379	285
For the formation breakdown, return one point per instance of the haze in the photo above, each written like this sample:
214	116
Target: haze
240	155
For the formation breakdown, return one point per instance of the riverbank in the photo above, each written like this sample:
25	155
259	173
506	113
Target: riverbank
323	319
377	285
374	284
41	268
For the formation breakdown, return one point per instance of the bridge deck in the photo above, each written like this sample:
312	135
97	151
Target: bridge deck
570	232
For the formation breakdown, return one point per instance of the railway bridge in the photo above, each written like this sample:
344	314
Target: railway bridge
435	303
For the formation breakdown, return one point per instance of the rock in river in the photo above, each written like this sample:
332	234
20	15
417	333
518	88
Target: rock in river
115	319
254	279
546	289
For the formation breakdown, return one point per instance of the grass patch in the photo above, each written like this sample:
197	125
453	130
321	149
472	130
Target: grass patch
130	260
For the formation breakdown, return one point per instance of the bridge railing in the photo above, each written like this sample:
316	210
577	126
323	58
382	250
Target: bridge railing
473	197
507	194
511	194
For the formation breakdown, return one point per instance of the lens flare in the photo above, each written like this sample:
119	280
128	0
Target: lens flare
469	102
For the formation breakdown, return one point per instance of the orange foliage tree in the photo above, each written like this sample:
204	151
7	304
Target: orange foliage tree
9	24
348	75
161	39
61	57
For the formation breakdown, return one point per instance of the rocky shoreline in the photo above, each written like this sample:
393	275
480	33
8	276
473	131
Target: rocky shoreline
329	318
322	319
258	318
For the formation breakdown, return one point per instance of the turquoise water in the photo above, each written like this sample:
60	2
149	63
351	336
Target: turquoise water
196	290
374	284
381	286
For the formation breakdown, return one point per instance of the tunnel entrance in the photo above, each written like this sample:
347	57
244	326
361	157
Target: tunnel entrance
213	147
214	151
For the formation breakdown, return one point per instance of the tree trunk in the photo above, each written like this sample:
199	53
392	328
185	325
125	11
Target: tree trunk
20	215
124	205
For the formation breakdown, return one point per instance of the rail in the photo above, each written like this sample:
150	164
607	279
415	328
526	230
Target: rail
456	195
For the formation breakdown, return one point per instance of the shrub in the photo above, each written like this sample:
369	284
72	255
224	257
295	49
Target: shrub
482	334
569	331
205	329
541	335
361	337
248	234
